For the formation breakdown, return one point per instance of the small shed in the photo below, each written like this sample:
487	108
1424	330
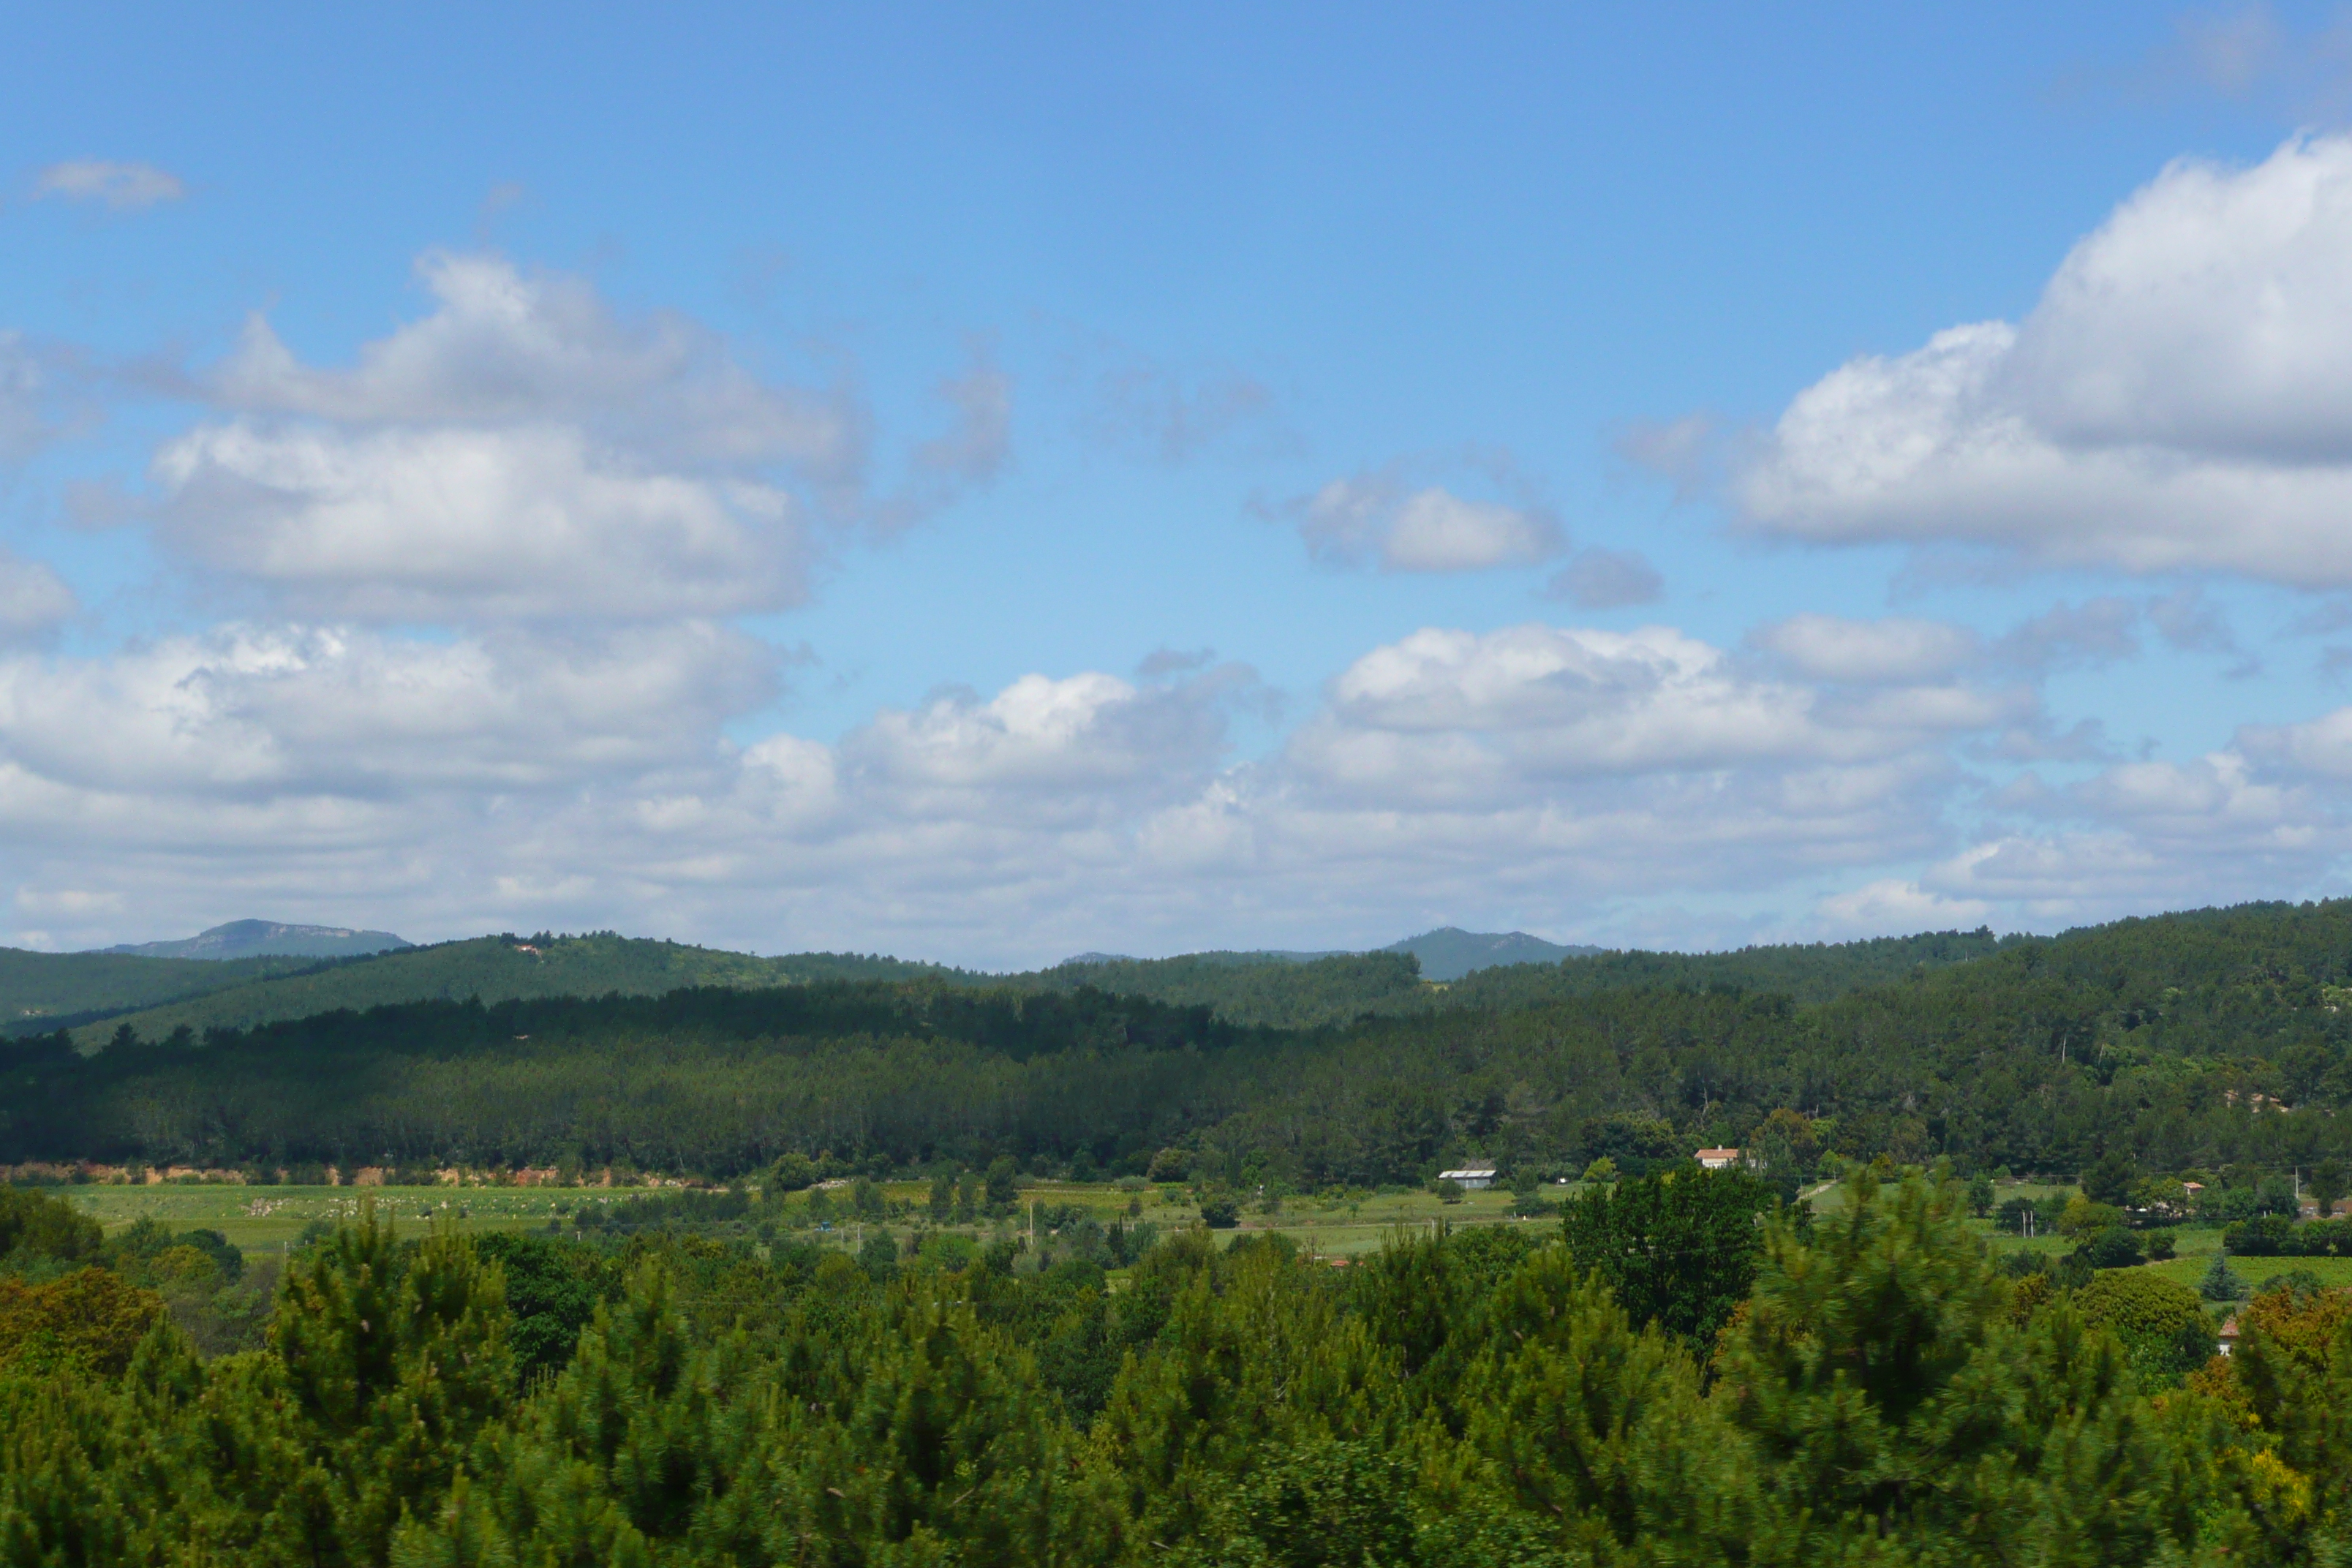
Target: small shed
1473	1178
1717	1159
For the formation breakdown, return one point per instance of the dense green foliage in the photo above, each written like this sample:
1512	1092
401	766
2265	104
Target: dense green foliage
1251	989
1677	1251
486	969
98	992
43	991
1883	1397
2197	1041
1278	992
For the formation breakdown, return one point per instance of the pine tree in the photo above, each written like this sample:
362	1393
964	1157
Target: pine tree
2221	1283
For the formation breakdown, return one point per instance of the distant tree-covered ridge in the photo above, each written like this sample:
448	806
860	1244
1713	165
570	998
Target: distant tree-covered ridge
95	992
491	969
43	991
2193	1041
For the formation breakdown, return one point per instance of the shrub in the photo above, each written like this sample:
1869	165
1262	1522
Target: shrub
1219	1211
39	1225
1447	1192
2114	1247
2264	1236
2163	1326
90	1320
2082	1217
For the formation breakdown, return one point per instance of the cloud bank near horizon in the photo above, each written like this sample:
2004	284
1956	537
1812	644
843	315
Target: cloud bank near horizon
492	642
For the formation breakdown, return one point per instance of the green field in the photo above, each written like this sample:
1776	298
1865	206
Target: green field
257	1218
260	1217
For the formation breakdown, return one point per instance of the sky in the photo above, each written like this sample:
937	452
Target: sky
985	485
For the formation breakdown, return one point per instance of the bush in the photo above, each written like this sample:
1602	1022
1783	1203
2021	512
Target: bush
2163	1326
36	1224
791	1173
87	1321
2114	1247
2264	1236
2160	1246
1169	1165
2082	1217
1447	1192
1220	1212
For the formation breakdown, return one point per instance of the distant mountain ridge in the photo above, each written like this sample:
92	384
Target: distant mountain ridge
1449	953
257	939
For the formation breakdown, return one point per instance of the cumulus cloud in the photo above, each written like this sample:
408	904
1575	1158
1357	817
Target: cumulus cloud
2180	398
503	347
295	714
1455	718
547	776
1892	904
1832	648
124	187
462	524
524	452
1378	518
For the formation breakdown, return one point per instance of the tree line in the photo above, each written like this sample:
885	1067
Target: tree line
2219	1043
1865	1388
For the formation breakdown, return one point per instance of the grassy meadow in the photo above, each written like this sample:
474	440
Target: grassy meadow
258	1218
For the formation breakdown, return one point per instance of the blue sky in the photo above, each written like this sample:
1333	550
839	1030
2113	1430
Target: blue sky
985	487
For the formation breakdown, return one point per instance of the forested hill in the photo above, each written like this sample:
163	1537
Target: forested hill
1812	972
492	969
99	993
2198	1041
1248	988
1254	990
42	991
1278	992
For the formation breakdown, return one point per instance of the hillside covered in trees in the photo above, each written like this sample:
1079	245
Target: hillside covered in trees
2188	1041
96	993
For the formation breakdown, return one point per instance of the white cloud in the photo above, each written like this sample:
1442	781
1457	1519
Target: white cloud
2319	747
1832	648
522	452
502	347
125	187
1555	773
262	715
2180	398
474	524
1892	904
1380	517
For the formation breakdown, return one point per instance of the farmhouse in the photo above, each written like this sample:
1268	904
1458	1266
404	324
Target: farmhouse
1473	1178
1717	1159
